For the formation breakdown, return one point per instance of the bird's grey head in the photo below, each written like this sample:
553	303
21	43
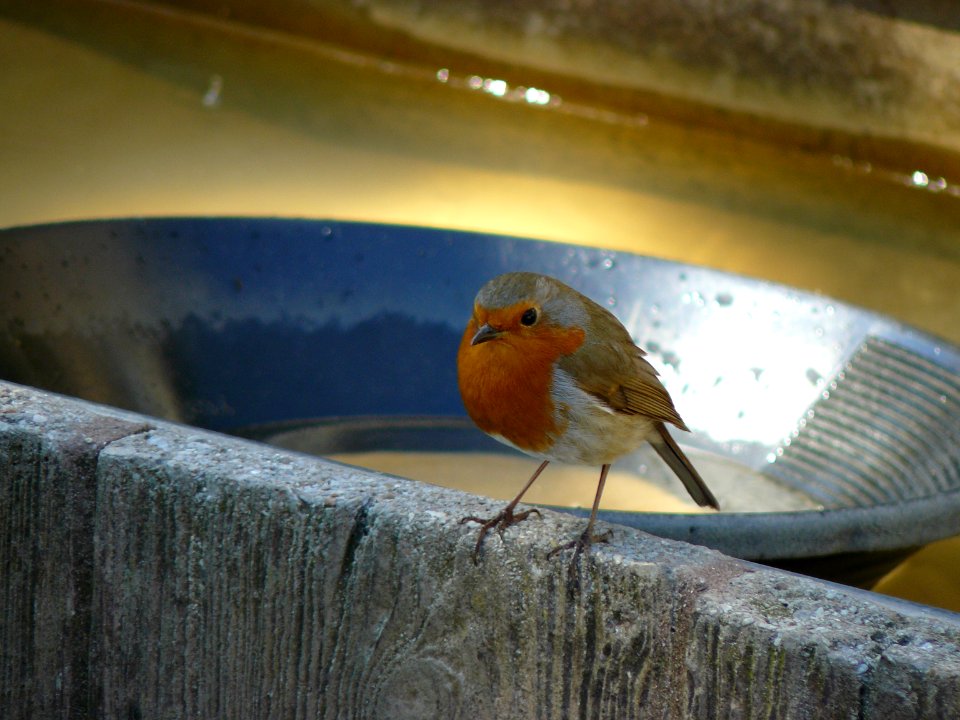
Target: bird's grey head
558	303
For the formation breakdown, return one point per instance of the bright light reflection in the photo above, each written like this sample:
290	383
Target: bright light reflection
502	89
754	388
535	96
495	87
920	179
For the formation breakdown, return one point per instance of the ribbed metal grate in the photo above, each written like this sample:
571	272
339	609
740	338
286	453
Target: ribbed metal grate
886	430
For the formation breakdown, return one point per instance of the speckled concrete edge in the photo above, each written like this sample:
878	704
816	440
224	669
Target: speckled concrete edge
159	570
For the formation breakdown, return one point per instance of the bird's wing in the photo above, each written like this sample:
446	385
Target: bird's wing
650	397
616	373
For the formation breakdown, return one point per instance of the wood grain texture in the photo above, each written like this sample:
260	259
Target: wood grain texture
47	507
233	580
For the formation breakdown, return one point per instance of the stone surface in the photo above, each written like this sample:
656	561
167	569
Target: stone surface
862	69
230	579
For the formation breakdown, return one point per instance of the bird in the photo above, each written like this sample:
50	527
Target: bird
548	371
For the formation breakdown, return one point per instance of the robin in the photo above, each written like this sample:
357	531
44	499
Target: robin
550	372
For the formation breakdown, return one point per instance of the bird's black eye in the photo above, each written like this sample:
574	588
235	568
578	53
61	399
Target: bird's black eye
529	317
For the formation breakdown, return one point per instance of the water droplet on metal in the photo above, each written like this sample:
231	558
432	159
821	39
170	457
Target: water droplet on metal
814	377
211	98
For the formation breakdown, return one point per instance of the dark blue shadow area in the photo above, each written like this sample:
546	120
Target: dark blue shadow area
250	372
228	322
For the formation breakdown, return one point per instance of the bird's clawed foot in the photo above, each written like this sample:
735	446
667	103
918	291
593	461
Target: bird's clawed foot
581	546
499	522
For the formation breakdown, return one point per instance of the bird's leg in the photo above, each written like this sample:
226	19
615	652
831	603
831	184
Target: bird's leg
587	538
506	517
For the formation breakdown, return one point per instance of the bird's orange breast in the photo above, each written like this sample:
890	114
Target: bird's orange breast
506	383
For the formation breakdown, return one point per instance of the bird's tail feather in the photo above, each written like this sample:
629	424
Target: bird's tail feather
673	456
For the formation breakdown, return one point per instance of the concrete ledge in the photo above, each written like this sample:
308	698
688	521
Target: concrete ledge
154	570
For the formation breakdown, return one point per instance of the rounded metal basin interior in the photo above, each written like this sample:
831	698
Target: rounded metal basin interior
240	323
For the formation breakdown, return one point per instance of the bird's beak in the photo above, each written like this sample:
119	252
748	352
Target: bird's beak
486	332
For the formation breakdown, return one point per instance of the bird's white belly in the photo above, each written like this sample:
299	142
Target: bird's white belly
591	433
597	440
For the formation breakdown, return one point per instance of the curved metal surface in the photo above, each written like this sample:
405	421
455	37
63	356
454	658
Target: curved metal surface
230	322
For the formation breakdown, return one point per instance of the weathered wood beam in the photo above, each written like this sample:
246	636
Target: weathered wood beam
156	570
